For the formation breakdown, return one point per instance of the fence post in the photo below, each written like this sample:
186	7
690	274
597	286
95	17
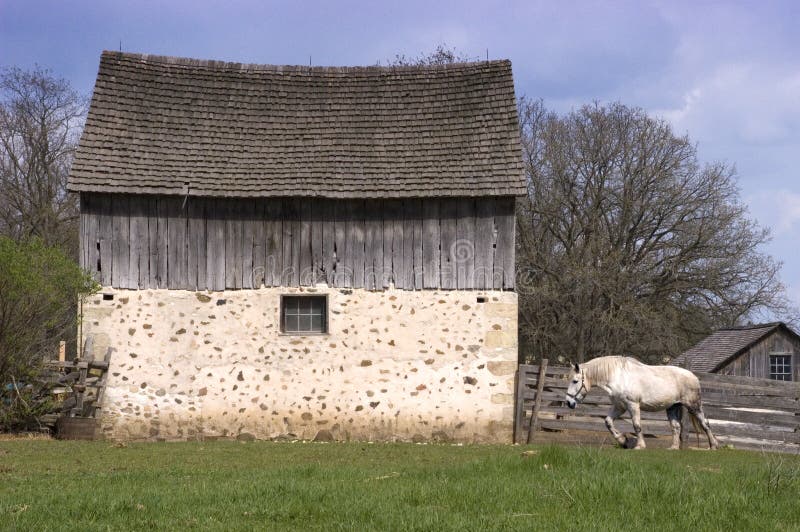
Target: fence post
519	404
537	403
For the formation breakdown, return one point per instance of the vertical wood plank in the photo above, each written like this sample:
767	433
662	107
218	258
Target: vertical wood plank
106	234
120	242
359	261
151	207
202	233
328	241
134	242
417	268
273	229
373	244
306	253
162	244
405	277
390	214
431	243
485	234
342	267
448	222
90	223
196	260
233	245
398	251
259	243
216	249
177	260
226	208
317	246
465	244
290	274
144	243
83	259
246	209
504	255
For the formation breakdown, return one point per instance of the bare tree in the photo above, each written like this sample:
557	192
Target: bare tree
627	244
41	118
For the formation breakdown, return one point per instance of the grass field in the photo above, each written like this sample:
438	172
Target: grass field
53	485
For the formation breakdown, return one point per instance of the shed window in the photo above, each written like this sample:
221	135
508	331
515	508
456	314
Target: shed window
304	314
780	367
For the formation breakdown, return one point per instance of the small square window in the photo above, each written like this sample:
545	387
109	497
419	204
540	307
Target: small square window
780	367
304	314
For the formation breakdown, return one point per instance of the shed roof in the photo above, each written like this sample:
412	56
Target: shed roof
166	125
719	347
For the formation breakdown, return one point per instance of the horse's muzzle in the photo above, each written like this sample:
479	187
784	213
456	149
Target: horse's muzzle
571	404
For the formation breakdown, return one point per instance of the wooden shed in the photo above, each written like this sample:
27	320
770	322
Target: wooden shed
289	250
765	351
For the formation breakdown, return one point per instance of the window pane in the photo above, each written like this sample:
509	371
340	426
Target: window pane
290	324
304	305
316	323
305	323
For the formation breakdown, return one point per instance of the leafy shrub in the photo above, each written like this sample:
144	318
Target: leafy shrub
39	290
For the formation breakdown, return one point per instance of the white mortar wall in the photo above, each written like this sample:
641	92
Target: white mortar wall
396	365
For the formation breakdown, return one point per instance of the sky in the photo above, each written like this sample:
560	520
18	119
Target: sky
725	73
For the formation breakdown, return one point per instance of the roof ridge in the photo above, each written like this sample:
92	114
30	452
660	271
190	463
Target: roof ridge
769	325
233	65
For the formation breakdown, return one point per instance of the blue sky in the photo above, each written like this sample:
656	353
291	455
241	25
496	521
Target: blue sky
726	73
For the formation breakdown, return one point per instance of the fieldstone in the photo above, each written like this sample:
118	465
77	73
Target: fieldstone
441	436
324	435
501	367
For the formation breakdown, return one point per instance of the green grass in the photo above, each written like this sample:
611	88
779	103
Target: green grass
52	485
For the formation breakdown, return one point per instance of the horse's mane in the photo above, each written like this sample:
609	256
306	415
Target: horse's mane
600	370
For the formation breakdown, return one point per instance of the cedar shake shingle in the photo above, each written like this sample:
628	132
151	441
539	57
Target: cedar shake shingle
164	125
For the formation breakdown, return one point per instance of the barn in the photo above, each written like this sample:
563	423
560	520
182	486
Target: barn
301	252
765	351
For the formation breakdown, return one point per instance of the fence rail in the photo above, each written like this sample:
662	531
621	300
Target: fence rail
743	412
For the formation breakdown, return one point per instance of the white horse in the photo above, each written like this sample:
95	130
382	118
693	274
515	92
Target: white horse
633	387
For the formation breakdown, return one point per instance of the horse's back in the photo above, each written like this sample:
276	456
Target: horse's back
660	387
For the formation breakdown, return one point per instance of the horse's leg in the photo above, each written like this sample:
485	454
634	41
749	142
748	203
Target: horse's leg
613	414
636	419
674	417
701	418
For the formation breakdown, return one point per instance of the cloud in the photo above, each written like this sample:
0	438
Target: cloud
778	209
750	104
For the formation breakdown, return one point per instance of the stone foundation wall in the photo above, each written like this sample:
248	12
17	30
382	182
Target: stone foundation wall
395	365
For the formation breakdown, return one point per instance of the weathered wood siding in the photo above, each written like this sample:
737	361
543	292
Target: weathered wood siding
755	361
140	241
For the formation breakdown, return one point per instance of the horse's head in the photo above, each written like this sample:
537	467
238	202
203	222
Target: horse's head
578	387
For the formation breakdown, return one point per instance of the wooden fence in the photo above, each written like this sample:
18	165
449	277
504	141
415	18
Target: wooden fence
743	412
80	383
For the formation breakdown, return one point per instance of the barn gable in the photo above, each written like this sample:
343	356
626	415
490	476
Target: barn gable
769	350
286	251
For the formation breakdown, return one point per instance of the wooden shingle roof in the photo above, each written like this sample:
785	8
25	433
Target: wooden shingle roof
719	347
164	125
